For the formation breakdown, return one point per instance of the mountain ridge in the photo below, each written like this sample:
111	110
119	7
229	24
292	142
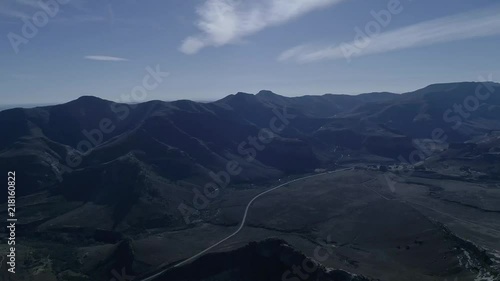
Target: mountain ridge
266	92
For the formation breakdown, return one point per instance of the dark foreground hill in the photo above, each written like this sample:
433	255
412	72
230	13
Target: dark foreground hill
269	260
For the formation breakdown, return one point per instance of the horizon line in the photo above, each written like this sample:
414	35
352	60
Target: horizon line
7	106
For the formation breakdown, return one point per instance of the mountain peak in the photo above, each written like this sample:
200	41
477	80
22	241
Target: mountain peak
266	93
269	96
88	100
242	94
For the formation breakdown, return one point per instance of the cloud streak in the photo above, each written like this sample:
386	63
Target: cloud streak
104	58
476	24
224	22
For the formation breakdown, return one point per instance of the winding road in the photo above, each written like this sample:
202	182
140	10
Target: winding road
242	222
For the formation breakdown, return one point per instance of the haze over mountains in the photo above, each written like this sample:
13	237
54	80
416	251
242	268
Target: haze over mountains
100	175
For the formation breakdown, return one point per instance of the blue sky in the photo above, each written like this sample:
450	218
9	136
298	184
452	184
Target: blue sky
214	48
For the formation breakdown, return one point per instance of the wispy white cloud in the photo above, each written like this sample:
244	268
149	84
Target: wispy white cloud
223	22
479	23
76	19
104	58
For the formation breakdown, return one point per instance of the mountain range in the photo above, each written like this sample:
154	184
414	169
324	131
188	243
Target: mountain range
95	171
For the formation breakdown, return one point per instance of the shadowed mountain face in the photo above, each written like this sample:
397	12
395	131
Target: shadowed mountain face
92	171
178	140
184	140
